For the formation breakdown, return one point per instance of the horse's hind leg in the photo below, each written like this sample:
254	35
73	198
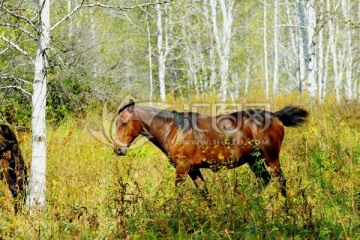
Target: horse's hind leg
277	172
199	182
282	183
260	171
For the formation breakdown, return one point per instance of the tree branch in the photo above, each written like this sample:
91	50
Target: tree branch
7	76
4	50
59	57
20	28
67	16
18	88
17	47
18	16
121	8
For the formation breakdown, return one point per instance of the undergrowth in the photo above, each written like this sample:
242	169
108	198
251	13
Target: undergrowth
94	194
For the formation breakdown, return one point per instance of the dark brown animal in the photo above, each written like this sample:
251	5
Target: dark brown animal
12	167
193	141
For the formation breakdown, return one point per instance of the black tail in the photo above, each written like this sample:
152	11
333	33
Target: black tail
292	116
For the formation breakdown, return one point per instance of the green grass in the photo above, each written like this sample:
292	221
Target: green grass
94	194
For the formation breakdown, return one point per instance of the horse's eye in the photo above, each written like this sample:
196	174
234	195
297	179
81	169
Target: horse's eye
124	124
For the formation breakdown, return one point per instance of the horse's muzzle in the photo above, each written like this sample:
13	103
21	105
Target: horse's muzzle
120	151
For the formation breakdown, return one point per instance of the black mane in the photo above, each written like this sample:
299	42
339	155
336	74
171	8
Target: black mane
131	103
183	120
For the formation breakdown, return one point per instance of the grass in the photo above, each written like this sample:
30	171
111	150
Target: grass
94	194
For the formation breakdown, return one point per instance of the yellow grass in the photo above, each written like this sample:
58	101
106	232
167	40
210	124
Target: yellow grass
94	194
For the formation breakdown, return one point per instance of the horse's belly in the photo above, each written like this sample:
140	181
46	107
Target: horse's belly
223	157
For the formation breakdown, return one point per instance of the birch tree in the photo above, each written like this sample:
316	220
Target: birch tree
346	5
321	69
37	184
223	39
332	44
302	40
356	90
198	48
151	84
292	62
162	52
93	40
276	49
310	58
266	68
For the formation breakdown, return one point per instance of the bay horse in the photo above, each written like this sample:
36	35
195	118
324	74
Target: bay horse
12	167
193	141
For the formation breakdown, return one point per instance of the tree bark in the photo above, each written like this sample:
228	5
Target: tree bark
303	46
223	40
151	94
311	58
266	69
276	50
321	55
161	54
332	43
348	50
37	184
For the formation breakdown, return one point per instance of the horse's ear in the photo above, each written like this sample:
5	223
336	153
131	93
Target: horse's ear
131	105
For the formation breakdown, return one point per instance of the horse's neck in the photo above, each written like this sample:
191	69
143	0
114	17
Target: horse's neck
153	125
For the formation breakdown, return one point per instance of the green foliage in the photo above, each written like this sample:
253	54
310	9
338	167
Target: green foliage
16	110
92	193
70	96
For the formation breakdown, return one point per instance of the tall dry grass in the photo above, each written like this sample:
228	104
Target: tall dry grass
94	194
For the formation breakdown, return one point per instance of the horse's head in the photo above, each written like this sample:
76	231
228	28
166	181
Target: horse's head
128	127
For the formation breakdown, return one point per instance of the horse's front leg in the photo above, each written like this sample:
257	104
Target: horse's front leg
199	182
182	170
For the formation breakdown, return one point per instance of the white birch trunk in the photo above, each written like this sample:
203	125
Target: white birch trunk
276	49
212	52
311	69
332	44
161	54
248	75
348	50
304	44
37	184
203	80
266	69
191	53
76	25
213	74
356	90
321	79
70	32
93	41
151	94
325	73
223	40
294	47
